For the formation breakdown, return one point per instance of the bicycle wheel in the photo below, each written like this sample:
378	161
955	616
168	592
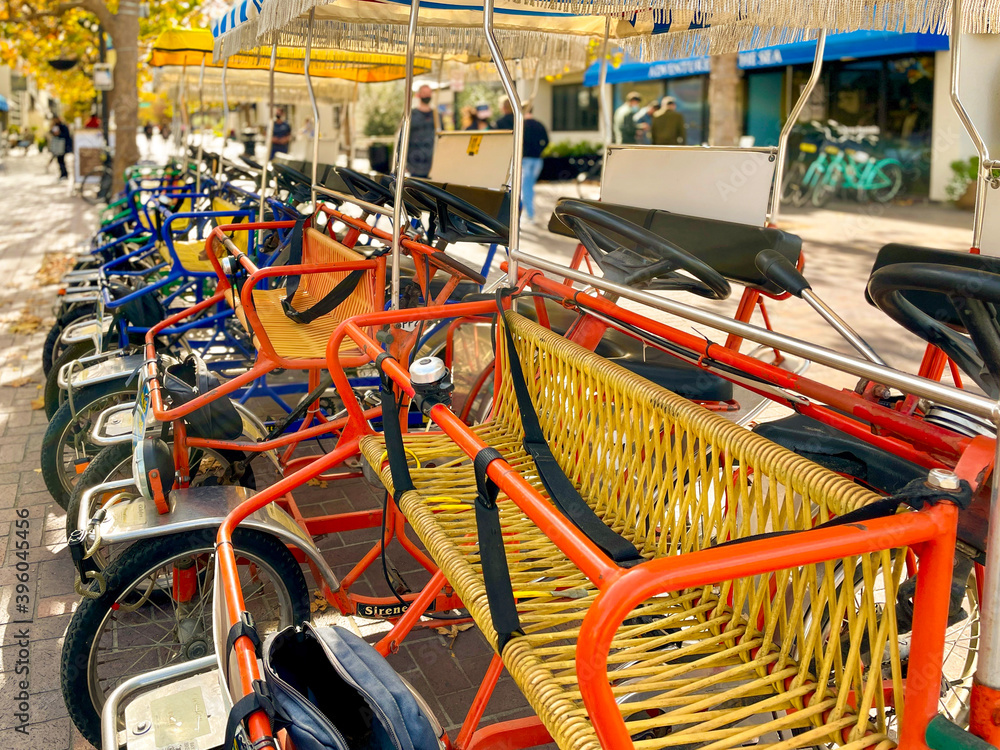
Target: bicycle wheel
827	185
93	181
139	624
53	395
793	189
885	182
67	437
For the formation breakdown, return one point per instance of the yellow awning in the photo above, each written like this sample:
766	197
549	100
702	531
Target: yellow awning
188	47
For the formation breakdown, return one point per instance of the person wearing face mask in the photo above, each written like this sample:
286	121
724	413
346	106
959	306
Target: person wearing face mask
625	126
423	126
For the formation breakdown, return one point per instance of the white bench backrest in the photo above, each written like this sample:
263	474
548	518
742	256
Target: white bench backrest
479	159
990	242
728	184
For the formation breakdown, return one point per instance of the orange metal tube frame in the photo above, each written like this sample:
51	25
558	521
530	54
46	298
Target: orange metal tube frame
931	533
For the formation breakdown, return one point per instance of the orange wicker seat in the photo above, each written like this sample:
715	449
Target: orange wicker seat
298	341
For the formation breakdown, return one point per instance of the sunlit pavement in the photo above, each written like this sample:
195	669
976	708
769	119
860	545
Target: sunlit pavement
41	217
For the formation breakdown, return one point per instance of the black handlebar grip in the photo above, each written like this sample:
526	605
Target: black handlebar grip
779	271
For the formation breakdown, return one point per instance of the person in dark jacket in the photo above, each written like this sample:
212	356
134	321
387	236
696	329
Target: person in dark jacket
668	125
536	138
60	144
423	126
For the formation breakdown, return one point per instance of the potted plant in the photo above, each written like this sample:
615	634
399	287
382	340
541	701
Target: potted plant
565	160
964	177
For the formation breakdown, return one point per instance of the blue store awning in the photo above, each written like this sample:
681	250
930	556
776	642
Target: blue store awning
4	107
631	72
852	44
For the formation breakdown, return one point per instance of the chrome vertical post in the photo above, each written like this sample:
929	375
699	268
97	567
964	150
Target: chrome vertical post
315	107
201	115
402	150
515	173
786	129
982	181
270	133
602	88
225	119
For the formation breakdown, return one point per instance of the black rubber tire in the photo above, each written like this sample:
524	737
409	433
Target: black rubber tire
130	568
86	399
49	352
793	191
110	460
71	353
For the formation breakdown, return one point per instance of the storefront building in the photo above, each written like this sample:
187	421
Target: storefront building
890	80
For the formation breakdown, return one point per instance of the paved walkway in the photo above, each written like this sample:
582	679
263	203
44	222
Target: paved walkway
41	218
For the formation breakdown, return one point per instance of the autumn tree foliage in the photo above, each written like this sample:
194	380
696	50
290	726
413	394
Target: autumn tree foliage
37	31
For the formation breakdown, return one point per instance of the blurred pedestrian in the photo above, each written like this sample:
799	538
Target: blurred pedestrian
624	122
281	135
93	122
423	126
506	120
644	123
536	138
147	130
668	125
483	114
60	144
468	117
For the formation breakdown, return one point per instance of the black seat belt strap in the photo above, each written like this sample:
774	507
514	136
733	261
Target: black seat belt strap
258	700
331	301
562	491
492	556
392	433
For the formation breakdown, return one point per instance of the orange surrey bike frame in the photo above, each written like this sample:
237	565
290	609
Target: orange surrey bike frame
348	429
929	533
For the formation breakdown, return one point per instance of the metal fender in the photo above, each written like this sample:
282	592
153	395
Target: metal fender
194	508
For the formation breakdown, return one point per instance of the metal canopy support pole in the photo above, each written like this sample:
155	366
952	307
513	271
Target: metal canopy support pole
786	129
270	133
515	173
201	115
402	151
602	87
315	107
182	114
985	166
225	118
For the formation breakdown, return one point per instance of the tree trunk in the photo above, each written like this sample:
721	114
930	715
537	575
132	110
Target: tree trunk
125	99
725	101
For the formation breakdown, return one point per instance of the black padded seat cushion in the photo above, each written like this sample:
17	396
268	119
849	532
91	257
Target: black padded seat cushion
938	306
728	247
841	452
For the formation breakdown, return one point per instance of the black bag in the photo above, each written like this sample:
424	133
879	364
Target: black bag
216	420
331	690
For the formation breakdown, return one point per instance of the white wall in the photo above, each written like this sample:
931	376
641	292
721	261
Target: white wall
979	84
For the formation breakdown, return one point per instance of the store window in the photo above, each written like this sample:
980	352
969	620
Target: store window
691	93
575	107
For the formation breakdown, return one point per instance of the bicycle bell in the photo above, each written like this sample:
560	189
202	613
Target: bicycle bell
432	383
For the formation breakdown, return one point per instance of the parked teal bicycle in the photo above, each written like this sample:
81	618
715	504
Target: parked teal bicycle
839	168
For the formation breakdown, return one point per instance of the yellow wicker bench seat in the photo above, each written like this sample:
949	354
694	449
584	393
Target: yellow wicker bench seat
794	659
292	340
